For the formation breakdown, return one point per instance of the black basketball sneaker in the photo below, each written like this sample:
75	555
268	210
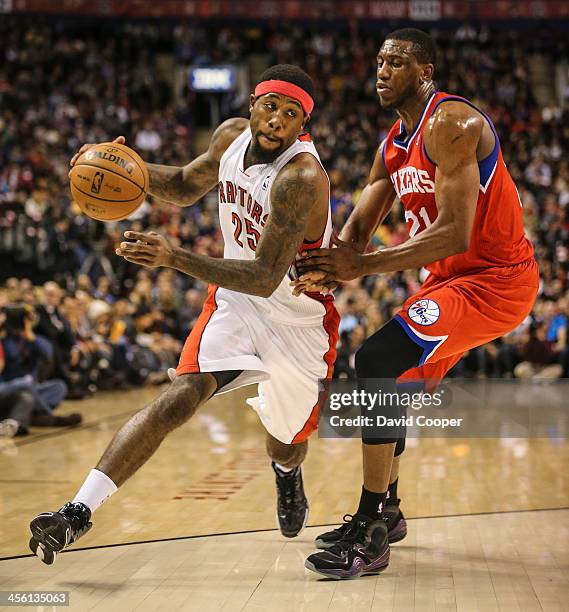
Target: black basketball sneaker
363	548
54	531
292	505
392	515
396	523
326	540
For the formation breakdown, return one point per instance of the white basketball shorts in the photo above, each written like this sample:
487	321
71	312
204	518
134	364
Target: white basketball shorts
286	361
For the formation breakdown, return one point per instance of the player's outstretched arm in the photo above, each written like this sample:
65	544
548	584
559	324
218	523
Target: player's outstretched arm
451	143
374	204
295	192
185	185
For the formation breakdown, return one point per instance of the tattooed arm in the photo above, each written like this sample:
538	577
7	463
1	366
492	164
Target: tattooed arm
185	185
375	203
299	187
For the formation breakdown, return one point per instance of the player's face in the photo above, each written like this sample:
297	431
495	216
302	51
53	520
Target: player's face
398	73
276	122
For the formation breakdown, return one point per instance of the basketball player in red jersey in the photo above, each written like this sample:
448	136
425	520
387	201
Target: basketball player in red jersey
274	200
442	159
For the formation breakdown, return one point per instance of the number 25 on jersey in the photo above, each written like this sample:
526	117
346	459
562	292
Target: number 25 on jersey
252	235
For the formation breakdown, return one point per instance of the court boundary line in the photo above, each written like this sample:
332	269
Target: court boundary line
229	533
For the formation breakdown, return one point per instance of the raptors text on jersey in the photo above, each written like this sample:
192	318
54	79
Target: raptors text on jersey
244	209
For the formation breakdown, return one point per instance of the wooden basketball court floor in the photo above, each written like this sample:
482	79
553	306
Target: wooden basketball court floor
195	528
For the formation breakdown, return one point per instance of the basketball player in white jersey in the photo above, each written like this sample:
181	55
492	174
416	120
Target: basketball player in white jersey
274	201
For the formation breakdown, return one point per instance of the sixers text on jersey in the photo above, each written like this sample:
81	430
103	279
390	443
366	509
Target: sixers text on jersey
498	237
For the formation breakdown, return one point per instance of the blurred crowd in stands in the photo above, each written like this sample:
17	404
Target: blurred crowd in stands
77	315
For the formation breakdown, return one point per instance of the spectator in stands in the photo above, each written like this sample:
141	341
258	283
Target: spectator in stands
556	332
20	357
51	324
16	404
539	359
16	409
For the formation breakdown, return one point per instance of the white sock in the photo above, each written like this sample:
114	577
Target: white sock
95	490
283	469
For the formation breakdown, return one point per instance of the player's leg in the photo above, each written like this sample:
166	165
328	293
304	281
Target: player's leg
287	404
392	514
362	543
292	505
142	434
134	443
208	362
394	476
286	457
430	374
444	320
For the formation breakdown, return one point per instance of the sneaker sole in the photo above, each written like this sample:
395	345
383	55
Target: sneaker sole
44	543
43	553
358	568
398	533
294	535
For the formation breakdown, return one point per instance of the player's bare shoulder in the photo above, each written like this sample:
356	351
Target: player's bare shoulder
297	188
378	170
453	131
300	197
225	134
306	171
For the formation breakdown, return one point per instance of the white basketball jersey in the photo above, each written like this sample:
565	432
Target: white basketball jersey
244	208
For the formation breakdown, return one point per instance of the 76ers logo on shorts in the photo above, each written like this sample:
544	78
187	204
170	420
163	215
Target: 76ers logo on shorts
424	312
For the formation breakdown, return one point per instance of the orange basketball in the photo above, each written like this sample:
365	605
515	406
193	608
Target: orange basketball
109	181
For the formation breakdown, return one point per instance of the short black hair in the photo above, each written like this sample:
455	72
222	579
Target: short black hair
290	74
424	47
16	315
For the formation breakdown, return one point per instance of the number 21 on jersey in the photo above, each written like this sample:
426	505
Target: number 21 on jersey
416	222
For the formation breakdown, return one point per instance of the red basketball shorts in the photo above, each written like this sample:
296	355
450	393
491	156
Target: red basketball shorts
447	317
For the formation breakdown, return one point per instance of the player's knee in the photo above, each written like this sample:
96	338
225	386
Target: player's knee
287	455
387	354
367	360
399	447
183	397
375	359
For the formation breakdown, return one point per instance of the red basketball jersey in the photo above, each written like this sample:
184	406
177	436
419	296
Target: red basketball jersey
497	237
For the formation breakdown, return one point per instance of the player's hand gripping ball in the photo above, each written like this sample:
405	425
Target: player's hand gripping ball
109	181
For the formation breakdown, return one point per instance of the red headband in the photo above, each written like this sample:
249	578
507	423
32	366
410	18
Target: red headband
287	89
